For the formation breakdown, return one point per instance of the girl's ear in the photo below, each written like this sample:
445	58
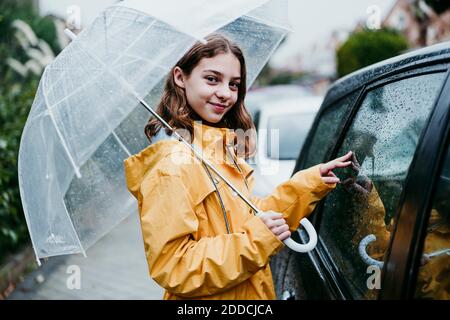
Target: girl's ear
178	77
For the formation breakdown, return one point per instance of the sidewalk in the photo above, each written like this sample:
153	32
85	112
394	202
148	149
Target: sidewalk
114	269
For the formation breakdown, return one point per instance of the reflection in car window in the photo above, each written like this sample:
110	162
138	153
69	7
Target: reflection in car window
433	280
292	131
325	133
383	136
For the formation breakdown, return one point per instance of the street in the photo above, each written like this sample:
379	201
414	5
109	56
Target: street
114	269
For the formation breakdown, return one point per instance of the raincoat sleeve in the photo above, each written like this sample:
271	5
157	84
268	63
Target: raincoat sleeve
190	268
297	197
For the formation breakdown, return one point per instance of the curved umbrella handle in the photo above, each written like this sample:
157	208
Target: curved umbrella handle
312	235
363	253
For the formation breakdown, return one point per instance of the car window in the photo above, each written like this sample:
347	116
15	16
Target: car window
433	279
292	131
325	133
357	215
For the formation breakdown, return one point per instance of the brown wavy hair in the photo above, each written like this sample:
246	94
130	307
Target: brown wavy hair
173	106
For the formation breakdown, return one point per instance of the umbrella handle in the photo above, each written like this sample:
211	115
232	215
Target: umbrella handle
298	247
312	235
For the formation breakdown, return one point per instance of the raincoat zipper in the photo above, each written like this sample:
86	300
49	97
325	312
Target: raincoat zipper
224	211
228	152
236	165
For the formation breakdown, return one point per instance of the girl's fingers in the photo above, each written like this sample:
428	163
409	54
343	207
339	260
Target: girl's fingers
280	229
345	157
327	167
276	223
340	162
331	174
273	214
284	235
269	215
330	180
332	165
343	164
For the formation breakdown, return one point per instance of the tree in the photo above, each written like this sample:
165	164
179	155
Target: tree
366	47
17	93
439	6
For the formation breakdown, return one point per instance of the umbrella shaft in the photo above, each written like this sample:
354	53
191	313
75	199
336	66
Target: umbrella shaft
199	156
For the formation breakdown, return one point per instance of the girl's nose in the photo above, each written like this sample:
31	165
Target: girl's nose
223	92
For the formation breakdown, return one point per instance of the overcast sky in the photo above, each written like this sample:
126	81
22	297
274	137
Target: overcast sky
311	20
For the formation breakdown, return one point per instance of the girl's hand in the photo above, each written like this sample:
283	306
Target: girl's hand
326	168
275	222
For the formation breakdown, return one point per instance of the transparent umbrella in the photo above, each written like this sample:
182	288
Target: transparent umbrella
87	116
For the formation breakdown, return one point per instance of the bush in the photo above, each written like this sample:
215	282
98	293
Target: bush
14	108
16	97
366	47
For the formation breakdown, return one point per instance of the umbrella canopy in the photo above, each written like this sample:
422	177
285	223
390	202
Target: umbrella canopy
86	117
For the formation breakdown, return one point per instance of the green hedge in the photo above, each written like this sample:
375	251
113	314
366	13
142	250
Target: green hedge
367	47
14	108
16	97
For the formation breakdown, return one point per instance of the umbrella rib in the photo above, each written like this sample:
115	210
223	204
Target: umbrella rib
120	80
143	59
58	132
121	143
73	92
74	230
131	61
119	57
275	47
132	43
72	161
25	204
268	22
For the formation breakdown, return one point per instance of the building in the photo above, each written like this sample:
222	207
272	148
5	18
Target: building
418	22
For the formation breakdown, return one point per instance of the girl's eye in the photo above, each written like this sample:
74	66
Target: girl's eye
235	85
211	78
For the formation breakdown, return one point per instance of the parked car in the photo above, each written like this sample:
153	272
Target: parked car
282	126
394	116
257	98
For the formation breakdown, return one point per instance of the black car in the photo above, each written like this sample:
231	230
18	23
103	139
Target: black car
385	232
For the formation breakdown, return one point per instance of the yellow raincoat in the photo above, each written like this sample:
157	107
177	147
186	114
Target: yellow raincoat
188	249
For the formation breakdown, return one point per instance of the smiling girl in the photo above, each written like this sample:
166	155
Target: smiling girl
201	240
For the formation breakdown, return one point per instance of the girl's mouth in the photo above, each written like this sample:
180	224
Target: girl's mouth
218	107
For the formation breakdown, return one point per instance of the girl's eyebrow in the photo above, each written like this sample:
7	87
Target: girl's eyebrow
220	74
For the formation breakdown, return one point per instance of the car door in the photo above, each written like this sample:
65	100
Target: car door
418	262
431	276
286	268
383	129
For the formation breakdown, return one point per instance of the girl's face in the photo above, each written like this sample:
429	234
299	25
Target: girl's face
212	87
